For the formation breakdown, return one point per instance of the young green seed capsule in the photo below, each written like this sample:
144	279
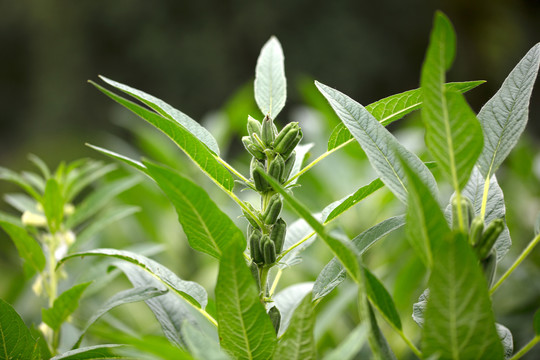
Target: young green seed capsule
252	148
276	168
467	212
278	234
253	127
477	228
273	210
267	131
289	163
489	237
260	182
252	222
286	137
489	265
287	153
275	317
255	247
268	250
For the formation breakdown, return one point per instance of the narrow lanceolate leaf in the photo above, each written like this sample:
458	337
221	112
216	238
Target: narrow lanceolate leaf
134	163
109	351
298	343
270	82
244	328
11	176
395	107
381	299
453	134
121	298
189	143
381	147
26	245
459	321
426	224
505	115
191	291
63	306
343	250
333	273
168	112
207	228
16	342
53	205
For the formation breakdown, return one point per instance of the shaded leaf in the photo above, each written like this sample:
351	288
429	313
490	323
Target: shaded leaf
16	342
381	299
108	351
26	245
287	301
200	345
53	205
12	176
349	348
63	306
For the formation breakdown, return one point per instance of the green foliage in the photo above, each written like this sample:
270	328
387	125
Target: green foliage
63	306
16	342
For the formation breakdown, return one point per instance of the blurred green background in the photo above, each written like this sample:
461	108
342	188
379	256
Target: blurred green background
200	56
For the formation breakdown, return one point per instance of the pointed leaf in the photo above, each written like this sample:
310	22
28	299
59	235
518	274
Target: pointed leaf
12	176
270	82
288	299
84	177
53	205
26	245
459	321
108	351
505	115
298	343
200	345
134	163
381	299
16	342
244	327
169	112
191	291
63	306
381	146
207	228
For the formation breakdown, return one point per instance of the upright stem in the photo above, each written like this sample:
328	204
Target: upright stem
264	270
526	348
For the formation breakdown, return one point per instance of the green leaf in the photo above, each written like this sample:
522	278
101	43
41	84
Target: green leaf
40	164
16	342
123	297
381	299
93	352
333	273
381	147
426	224
270	82
53	205
207	228
394	107
343	250
22	202
134	163
84	176
351	346
190	291
298	343
13	177
244	327
453	134
200	345
170	113
26	245
377	342
505	115
459	322
288	299
189	143
99	199
63	306
506	339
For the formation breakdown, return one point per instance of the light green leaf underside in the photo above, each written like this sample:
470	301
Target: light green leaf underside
288	299
270	82
94	352
134	163
208	229
380	146
244	327
169	112
191	291
505	115
459	322
200	345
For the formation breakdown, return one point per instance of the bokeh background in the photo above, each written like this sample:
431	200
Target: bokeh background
200	56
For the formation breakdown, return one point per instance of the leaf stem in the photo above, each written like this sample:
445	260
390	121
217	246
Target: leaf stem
526	348
518	261
409	343
485	198
208	316
275	283
304	239
231	169
264	281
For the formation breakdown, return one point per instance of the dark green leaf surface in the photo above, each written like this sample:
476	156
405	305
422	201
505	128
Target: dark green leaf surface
270	82
194	149
536	322
208	229
16	342
381	147
459	321
189	290
94	352
26	245
53	205
63	306
298	343
381	299
169	112
505	115
244	328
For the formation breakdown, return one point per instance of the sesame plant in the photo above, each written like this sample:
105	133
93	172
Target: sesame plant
459	240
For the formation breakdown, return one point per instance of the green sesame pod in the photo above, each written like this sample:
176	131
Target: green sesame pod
489	265
253	127
273	210
255	272
251	220
287	153
477	228
276	168
467	211
489	237
286	136
252	148
275	317
289	163
267	131
278	234
269	250
260	182
255	247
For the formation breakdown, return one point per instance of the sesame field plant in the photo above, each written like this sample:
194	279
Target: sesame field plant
457	239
